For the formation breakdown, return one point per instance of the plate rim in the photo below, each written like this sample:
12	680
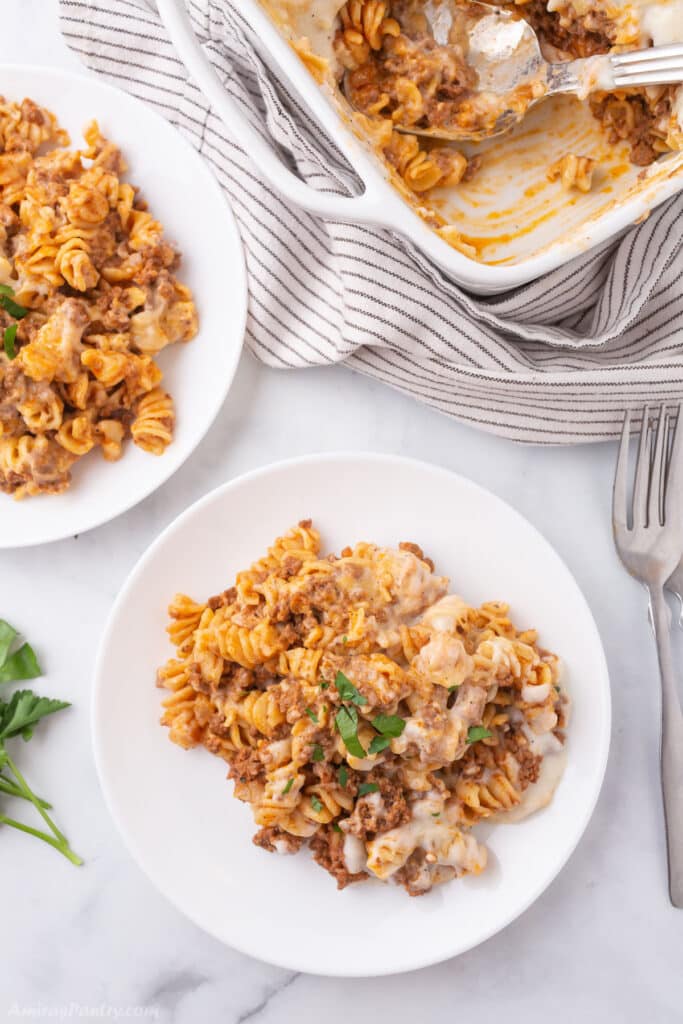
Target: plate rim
408	963
240	279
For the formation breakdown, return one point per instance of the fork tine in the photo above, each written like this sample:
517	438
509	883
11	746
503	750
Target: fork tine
642	480
671	50
620	491
655	514
674	490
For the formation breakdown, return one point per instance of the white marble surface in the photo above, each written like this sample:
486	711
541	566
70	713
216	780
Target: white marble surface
602	943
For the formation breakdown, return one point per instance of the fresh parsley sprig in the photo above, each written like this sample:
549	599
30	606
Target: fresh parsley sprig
19	716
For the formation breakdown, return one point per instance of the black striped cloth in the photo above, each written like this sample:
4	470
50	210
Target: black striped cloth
553	362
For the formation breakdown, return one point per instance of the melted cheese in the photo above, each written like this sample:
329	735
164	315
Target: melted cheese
446	843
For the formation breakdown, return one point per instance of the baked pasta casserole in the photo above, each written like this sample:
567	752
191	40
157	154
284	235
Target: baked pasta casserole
88	297
365	711
382	54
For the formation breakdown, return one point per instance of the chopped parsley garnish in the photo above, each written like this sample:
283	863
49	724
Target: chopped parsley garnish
6	290
312	715
367	787
477	732
318	753
343	775
378	744
316	804
347	691
453	688
346	721
9	337
435	814
389	725
287	787
345	639
324	684
12	307
335	826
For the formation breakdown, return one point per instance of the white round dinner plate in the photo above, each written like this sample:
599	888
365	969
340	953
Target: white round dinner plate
183	194
175	809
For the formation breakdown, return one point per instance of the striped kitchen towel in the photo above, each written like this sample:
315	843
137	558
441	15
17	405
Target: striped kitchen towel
552	362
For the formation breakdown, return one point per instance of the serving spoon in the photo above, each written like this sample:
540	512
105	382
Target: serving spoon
512	75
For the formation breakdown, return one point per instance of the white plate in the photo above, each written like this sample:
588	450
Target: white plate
183	194
177	813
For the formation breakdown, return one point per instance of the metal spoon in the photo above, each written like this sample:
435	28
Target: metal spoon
512	74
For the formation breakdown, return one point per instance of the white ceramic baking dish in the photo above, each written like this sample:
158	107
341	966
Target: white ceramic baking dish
528	226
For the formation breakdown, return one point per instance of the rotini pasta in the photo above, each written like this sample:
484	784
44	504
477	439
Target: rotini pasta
88	298
365	710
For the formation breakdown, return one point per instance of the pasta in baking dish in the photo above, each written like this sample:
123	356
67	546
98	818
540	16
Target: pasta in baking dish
364	710
88	297
370	44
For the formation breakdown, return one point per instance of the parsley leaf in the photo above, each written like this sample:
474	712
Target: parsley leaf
378	744
8	339
23	711
316	804
477	732
7	637
287	787
312	715
347	691
452	689
389	725
23	664
345	639
12	307
343	776
318	753
335	826
6	290
367	787
346	721
324	685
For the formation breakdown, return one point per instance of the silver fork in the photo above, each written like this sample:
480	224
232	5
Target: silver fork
651	549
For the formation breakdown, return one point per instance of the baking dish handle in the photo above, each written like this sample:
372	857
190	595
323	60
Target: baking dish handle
347	208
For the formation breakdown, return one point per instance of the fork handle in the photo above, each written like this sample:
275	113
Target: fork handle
672	745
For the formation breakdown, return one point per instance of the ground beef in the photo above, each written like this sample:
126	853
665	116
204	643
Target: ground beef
379	811
245	766
289	566
328	851
267	837
414	874
637	130
529	763
291	700
417	876
582	38
221	600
